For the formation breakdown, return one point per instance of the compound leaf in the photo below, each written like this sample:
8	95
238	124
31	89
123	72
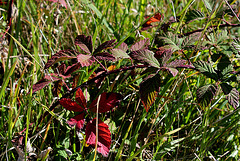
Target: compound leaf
85	60
119	53
105	56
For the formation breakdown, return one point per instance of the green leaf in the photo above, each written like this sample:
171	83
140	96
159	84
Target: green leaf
233	98
227	71
191	39
148	90
145	56
119	53
226	88
206	93
193	14
236	46
7	78
206	69
171	41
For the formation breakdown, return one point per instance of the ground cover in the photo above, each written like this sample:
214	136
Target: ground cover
119	80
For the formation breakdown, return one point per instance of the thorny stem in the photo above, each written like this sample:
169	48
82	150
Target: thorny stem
104	74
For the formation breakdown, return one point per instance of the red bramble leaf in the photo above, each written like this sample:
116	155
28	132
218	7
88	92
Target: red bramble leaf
104	136
39	85
72	68
80	98
60	69
233	98
173	71
123	47
176	63
85	60
106	103
85	43
57	87
105	56
105	45
52	77
78	120
70	105
59	56
141	45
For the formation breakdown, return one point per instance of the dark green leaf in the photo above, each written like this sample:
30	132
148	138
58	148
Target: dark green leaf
194	14
226	88
206	69
148	90
206	93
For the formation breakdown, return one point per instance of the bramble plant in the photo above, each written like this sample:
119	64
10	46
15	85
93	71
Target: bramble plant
129	80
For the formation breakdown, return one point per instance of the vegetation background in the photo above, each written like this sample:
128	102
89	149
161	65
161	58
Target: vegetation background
181	124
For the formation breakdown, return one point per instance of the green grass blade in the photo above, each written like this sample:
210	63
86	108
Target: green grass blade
5	82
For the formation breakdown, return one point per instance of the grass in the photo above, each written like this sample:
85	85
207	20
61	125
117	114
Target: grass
176	127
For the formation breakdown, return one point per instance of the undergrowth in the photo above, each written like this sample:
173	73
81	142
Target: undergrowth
149	80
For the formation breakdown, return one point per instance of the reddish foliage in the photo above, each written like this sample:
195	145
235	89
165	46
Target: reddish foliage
59	56
106	103
40	84
104	136
3	2
72	68
98	81
156	18
85	43
105	56
105	45
80	98
85	60
78	120
142	44
70	105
